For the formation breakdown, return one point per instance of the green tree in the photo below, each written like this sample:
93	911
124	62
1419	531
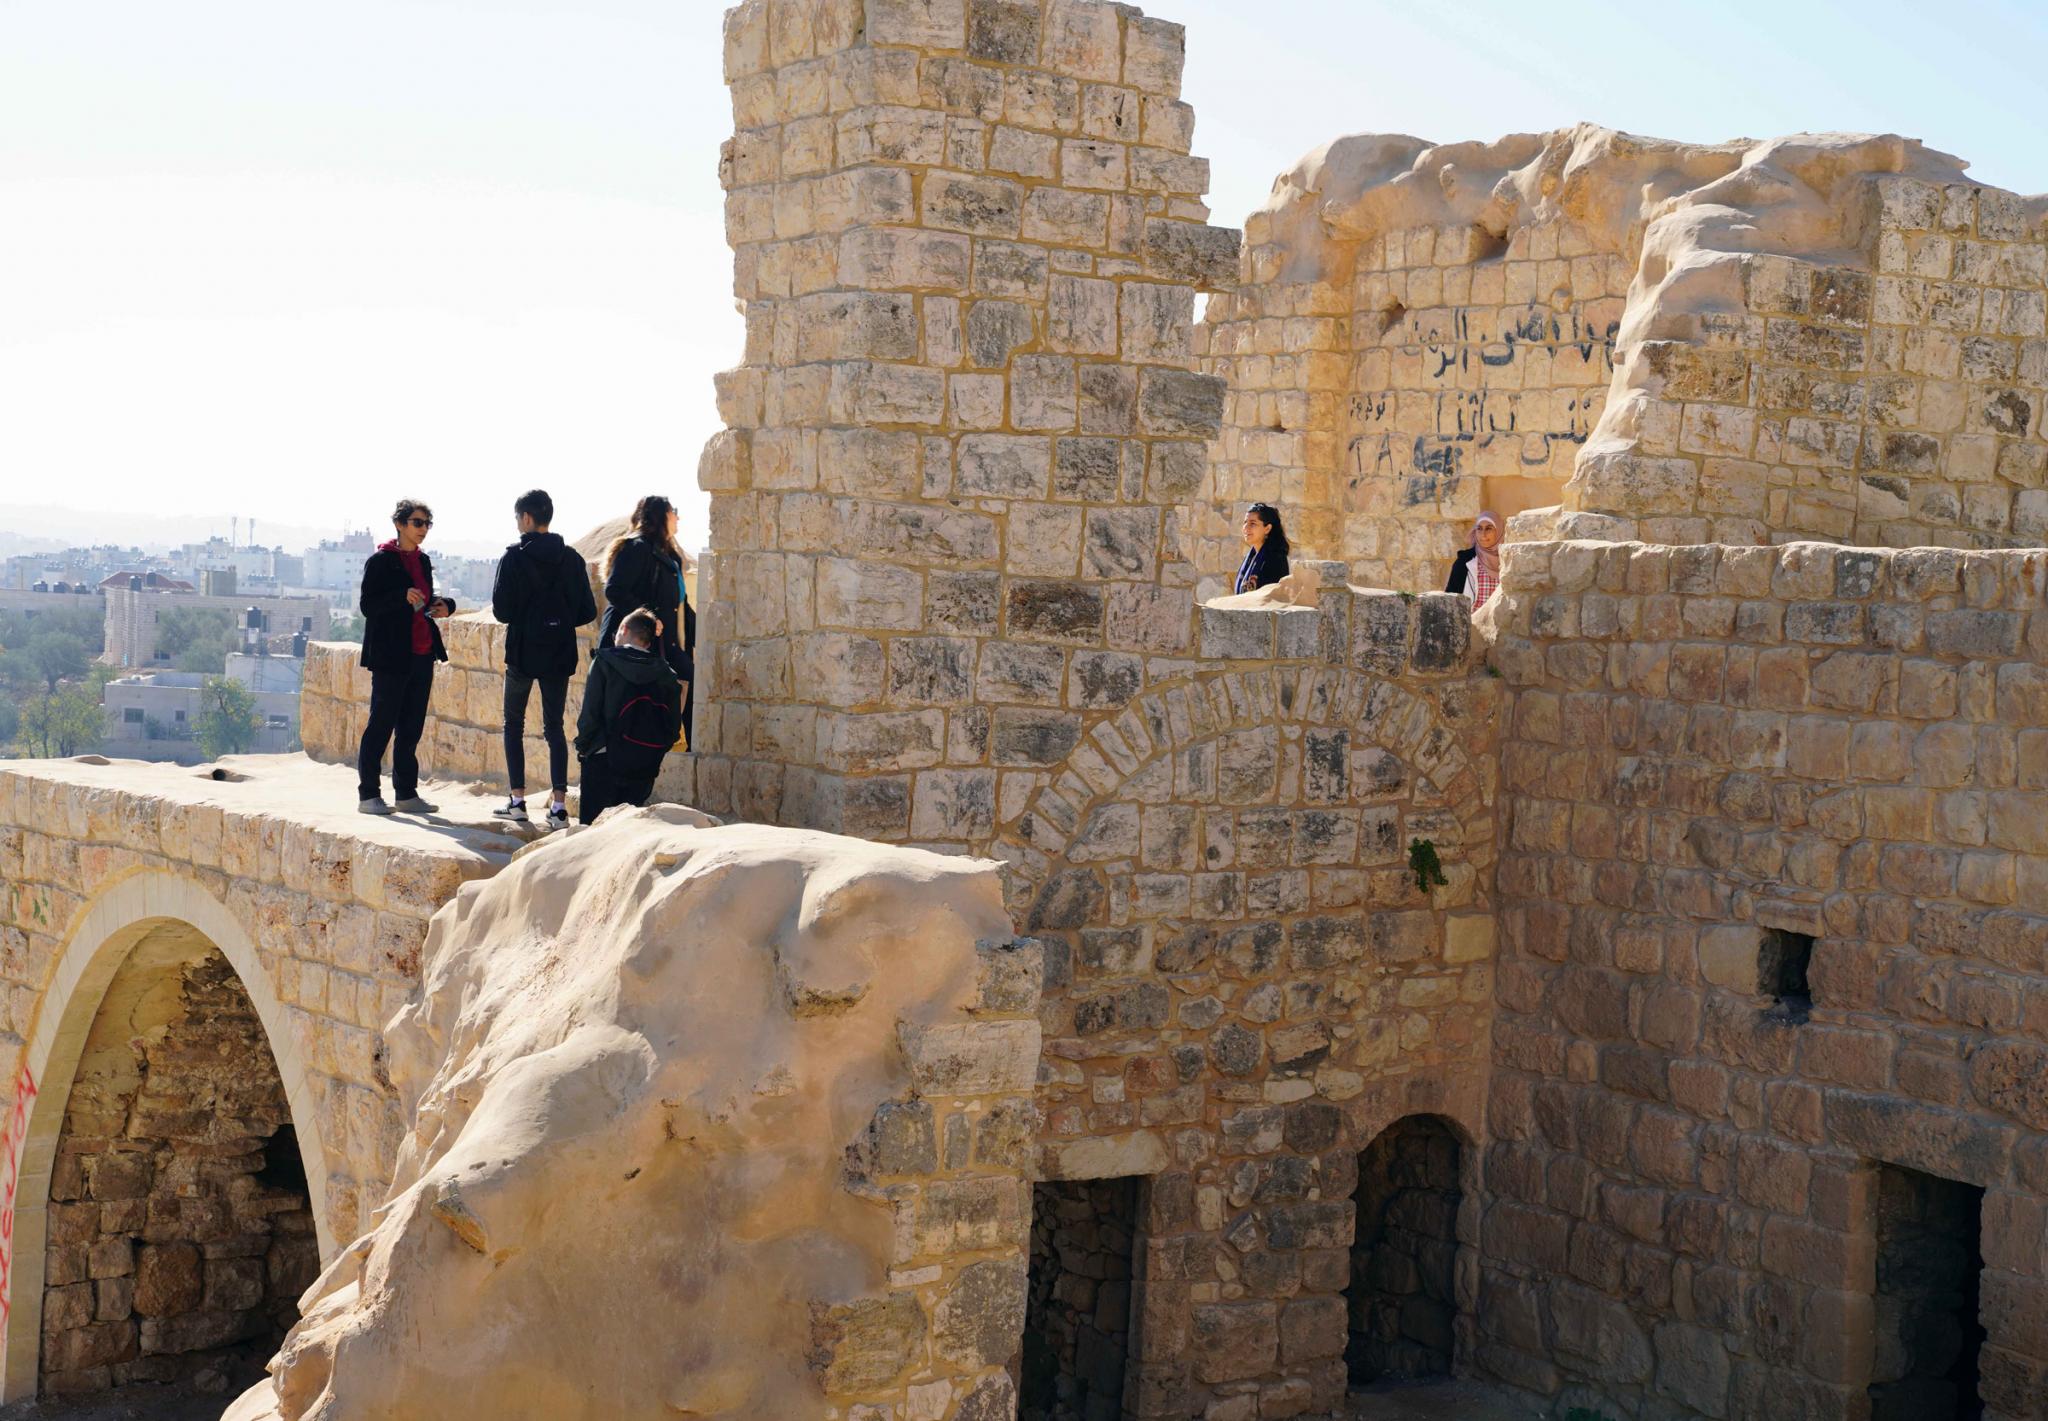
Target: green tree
345	628
66	722
228	721
87	623
10	721
197	638
57	656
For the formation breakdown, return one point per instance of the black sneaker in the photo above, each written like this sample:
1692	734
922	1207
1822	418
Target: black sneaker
513	809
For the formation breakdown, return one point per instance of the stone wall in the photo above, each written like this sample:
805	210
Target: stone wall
1247	981
131	618
968	241
1888	394
181	1233
464	737
1387	389
1703	744
1831	336
322	928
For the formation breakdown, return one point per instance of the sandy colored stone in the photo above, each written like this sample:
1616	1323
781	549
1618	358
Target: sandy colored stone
578	1037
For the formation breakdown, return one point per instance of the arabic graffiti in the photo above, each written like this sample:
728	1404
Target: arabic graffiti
1457	347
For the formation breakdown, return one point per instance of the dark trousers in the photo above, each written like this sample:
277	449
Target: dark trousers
398	713
601	790
554	694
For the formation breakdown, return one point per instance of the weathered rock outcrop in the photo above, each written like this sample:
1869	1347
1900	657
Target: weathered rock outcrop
674	1092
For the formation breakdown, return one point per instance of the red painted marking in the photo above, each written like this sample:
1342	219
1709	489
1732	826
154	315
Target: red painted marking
17	1128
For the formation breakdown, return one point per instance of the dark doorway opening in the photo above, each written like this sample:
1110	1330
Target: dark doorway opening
1403	1300
1077	1327
1782	962
180	1226
1929	1259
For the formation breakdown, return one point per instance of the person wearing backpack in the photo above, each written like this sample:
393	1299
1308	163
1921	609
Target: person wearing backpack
632	711
644	568
542	594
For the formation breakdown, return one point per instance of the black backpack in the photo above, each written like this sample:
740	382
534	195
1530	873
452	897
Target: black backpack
644	730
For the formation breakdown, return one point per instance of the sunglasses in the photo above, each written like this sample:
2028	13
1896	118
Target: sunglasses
421	522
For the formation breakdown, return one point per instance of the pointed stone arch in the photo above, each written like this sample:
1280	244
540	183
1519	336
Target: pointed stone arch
102	939
1046	845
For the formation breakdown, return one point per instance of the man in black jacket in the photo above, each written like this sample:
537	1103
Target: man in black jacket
542	594
632	709
401	643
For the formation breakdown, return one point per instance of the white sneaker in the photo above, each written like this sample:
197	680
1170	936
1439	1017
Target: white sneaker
373	806
558	818
413	804
513	809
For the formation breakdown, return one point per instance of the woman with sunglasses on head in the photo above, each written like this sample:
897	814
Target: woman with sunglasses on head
401	643
1266	561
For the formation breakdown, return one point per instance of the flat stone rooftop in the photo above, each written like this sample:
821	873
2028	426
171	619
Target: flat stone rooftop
289	789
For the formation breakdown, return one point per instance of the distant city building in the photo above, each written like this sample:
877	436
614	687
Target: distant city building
139	580
154	715
43	597
135	609
337	565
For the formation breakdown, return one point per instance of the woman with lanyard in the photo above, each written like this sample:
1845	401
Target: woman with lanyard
1265	561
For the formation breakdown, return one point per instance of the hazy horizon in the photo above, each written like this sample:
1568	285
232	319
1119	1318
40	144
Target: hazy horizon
289	263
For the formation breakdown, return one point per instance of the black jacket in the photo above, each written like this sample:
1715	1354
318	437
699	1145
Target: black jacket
643	575
387	616
542	594
616	674
1461	569
1266	565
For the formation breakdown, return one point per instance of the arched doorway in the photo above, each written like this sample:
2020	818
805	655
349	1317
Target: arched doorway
1403	1299
168	1185
181	1231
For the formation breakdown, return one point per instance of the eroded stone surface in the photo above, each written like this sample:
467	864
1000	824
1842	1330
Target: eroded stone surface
686	1036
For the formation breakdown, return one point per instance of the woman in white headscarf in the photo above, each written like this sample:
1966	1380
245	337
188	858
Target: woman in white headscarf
1476	570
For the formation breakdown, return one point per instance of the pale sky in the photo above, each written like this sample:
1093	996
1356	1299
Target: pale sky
289	260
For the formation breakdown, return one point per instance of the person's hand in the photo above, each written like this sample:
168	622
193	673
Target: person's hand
417	598
1251	584
441	609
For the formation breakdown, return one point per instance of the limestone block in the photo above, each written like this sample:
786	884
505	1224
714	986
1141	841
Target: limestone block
1004	466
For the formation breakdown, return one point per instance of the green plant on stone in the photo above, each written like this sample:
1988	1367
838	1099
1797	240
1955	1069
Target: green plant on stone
1424	864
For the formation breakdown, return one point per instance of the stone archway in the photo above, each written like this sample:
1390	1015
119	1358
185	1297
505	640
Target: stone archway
162	922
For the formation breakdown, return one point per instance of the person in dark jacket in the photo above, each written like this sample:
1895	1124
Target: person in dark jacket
542	595
1475	571
401	643
631	685
644	568
1265	561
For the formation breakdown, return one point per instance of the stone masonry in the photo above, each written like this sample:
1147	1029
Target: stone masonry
1823	336
1703	744
1695	891
320	917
